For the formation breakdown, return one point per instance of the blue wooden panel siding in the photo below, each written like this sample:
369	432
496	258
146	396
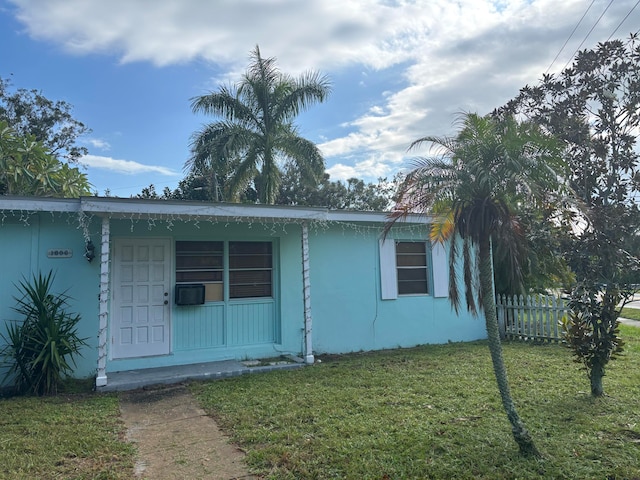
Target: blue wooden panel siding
206	326
252	323
201	326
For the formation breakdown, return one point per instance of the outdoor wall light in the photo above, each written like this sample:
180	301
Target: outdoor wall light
90	251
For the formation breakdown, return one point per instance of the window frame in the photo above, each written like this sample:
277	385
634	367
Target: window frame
225	268
438	264
402	268
237	269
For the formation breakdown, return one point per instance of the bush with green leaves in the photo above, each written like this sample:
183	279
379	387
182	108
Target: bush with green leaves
40	347
592	328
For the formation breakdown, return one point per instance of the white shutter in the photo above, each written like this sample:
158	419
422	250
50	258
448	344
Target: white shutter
388	273
439	263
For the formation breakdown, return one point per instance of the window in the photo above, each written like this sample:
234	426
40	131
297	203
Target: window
250	269
201	262
249	272
412	266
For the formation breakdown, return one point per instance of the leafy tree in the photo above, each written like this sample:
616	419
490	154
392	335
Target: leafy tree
471	187
29	112
594	107
194	187
354	194
26	168
256	134
543	266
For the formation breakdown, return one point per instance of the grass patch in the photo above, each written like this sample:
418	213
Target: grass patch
631	313
434	412
64	437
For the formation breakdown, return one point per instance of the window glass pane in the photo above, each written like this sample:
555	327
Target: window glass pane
198	277
414	287
198	262
198	246
411	260
412	268
248	291
412	274
250	276
250	269
249	247
411	247
250	261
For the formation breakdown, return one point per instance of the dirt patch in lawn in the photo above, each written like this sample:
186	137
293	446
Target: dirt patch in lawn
175	439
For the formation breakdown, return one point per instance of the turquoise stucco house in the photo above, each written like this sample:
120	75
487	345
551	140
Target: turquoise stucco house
162	283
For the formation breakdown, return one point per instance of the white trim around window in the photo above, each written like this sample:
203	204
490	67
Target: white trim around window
437	277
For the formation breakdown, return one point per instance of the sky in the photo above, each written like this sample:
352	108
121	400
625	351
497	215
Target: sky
400	69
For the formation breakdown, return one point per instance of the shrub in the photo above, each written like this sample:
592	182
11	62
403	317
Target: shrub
40	347
592	329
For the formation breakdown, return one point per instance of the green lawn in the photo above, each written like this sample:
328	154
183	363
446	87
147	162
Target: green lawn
434	412
64	437
429	412
631	313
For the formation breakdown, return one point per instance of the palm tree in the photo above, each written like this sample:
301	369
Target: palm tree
471	188
256	135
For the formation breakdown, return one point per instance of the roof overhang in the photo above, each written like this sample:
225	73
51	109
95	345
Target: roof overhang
39	204
123	207
176	209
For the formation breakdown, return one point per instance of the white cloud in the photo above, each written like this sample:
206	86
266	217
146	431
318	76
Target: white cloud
343	172
124	166
451	56
99	144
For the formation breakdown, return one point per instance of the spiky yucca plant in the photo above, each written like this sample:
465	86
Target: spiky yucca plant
40	347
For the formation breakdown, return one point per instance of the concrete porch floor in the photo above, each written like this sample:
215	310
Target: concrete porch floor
134	379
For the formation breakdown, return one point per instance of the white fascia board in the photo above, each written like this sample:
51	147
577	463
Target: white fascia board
39	204
127	207
373	217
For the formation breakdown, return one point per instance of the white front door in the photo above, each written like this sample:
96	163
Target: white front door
140	297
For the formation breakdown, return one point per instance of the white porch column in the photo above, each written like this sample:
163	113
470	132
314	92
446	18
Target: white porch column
306	288
105	257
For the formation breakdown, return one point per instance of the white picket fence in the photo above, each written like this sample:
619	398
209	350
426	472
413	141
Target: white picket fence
533	318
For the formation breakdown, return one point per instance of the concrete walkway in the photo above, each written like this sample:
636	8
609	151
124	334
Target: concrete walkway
627	321
633	323
175	439
134	379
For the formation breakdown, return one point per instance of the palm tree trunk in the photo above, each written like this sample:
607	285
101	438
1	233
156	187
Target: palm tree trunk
520	432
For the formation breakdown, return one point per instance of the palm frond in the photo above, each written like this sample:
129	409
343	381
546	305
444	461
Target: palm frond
442	227
477	177
304	153
245	171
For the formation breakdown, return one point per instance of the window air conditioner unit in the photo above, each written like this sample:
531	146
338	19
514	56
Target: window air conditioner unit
190	294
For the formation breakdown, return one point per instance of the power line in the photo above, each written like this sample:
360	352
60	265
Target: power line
571	34
623	20
587	36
